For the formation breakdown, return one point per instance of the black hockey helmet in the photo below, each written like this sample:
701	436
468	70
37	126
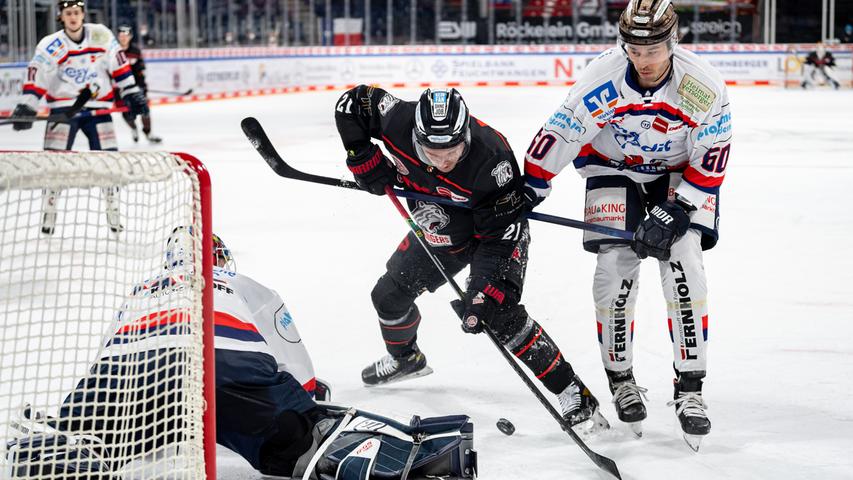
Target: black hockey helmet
125	28
647	22
441	119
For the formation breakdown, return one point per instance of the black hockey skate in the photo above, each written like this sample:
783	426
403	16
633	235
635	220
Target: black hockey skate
580	408
628	399
389	369
690	408
153	138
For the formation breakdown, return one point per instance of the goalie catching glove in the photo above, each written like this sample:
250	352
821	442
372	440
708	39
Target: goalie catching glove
661	228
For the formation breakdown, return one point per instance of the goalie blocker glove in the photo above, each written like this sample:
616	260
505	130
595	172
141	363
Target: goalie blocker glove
22	111
661	228
371	169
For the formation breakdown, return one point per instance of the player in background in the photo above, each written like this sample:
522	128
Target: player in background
436	147
78	56
819	68
137	66
648	126
265	384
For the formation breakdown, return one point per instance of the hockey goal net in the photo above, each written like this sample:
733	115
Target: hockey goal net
106	337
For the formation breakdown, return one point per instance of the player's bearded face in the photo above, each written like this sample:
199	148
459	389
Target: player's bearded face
445	159
72	18
650	61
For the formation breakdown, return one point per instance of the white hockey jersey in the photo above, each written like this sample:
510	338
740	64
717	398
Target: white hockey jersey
248	317
62	67
609	125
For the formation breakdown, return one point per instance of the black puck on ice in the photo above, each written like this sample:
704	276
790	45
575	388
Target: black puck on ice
505	426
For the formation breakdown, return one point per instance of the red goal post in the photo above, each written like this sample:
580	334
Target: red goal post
106	342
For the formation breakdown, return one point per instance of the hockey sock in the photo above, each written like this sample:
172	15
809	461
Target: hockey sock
400	333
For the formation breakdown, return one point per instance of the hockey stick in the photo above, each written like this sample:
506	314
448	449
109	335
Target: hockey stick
172	92
84	96
258	137
601	461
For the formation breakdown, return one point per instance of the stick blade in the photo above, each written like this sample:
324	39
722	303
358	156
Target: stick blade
258	138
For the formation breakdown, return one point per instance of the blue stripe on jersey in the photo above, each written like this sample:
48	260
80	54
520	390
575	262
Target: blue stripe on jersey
237	334
536	182
710	190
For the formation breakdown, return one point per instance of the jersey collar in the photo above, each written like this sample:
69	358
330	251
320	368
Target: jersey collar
631	73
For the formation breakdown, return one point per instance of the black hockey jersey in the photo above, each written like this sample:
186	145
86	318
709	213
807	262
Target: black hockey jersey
487	179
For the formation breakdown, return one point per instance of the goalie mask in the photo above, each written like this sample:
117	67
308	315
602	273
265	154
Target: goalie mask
222	255
179	249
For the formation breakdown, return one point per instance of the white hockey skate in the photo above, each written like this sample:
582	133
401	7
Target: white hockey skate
580	409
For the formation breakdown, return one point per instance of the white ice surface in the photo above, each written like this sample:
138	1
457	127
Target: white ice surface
781	303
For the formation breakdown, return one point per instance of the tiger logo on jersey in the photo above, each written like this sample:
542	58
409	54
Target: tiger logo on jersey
432	218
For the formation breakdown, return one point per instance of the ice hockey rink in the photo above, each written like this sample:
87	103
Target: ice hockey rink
781	287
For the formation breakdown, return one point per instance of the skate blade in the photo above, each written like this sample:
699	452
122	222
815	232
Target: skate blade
693	441
420	373
595	425
637	429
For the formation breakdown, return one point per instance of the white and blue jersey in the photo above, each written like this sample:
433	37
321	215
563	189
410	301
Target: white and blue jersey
248	317
609	125
62	67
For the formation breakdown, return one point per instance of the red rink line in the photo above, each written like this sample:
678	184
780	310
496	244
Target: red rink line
204	97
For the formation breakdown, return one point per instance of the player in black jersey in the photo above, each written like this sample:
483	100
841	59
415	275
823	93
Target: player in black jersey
435	147
137	66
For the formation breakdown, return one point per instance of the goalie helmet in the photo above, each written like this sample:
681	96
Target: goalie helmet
647	22
441	119
179	248
222	255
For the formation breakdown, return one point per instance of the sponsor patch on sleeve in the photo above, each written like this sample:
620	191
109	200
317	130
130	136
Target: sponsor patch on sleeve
386	103
696	93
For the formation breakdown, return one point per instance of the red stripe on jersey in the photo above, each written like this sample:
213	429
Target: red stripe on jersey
31	87
697	178
536	171
402	153
74	53
636	107
225	320
156	319
444	179
121	71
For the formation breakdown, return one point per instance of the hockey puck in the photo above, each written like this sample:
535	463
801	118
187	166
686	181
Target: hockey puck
505	426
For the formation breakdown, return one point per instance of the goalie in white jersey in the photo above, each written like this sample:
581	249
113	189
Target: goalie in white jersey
648	126
128	408
81	55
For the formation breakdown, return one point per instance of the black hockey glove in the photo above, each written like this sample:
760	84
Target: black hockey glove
371	169
481	302
660	229
22	110
136	103
531	198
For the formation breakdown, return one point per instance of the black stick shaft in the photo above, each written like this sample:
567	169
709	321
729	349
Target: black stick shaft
602	462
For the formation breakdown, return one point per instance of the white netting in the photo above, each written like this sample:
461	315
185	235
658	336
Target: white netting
98	335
